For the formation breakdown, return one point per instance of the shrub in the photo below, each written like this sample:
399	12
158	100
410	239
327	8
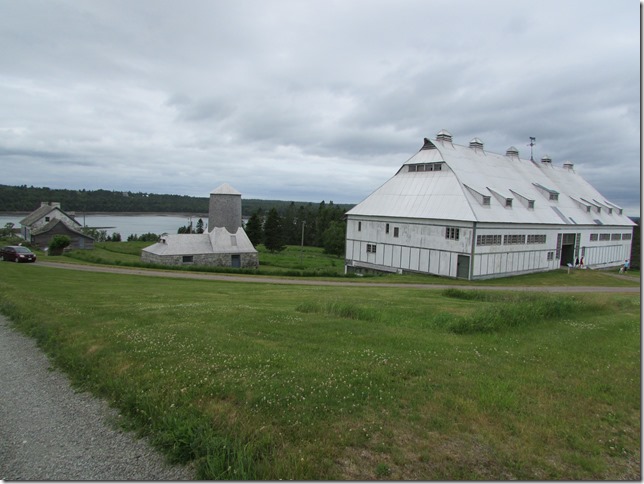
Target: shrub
58	244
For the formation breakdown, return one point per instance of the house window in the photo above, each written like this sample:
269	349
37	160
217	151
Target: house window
396	231
508	202
387	228
371	248
452	233
486	200
555	196
187	259
46	219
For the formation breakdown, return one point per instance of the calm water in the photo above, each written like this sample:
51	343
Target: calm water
125	225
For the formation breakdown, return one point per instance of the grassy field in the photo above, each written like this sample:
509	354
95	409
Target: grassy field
254	381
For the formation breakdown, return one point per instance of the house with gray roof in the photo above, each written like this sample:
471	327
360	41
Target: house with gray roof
40	226
464	212
224	244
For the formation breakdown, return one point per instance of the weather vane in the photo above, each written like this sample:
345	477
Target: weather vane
532	143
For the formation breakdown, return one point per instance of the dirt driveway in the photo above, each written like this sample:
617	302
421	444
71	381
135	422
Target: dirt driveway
311	282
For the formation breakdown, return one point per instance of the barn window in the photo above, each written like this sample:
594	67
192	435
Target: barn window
551	255
452	233
488	240
396	231
615	236
594	237
359	226
371	248
514	239
536	239
187	259
604	236
387	228
626	236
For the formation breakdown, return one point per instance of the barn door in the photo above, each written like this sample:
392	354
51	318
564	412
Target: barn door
235	261
463	267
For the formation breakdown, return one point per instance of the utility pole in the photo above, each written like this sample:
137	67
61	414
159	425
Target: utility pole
302	243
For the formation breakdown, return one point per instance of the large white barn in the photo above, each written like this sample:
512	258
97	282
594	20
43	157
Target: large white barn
461	211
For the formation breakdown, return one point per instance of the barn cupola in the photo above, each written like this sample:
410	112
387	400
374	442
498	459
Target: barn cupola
568	165
476	144
444	135
225	209
546	159
512	151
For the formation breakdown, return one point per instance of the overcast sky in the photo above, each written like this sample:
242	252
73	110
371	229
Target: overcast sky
311	100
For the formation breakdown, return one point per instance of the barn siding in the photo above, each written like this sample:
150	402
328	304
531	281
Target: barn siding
423	247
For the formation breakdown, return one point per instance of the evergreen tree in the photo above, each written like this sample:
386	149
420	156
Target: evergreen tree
254	228
273	232
334	238
200	226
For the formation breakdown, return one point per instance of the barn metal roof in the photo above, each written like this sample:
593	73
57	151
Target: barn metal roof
218	241
473	185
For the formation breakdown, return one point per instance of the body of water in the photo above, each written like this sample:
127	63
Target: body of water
126	225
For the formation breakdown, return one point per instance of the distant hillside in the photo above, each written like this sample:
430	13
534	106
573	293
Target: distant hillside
26	199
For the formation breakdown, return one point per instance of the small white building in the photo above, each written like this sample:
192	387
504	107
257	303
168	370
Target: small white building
225	244
463	212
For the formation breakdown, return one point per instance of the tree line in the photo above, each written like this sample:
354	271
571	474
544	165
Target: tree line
321	226
28	198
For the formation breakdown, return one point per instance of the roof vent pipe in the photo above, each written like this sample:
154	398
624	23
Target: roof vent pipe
512	151
546	159
444	135
476	143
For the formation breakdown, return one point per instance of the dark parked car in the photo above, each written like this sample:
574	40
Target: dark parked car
17	253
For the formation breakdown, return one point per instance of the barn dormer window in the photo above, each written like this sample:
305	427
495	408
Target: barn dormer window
480	197
425	167
551	194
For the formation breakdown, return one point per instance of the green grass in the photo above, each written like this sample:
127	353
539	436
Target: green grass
260	381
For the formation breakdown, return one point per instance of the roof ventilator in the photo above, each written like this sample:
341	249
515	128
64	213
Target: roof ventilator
444	135
512	151
568	165
546	159
476	144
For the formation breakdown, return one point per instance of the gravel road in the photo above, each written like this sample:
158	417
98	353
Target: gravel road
49	432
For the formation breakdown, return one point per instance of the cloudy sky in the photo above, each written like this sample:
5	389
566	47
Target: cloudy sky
311	100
